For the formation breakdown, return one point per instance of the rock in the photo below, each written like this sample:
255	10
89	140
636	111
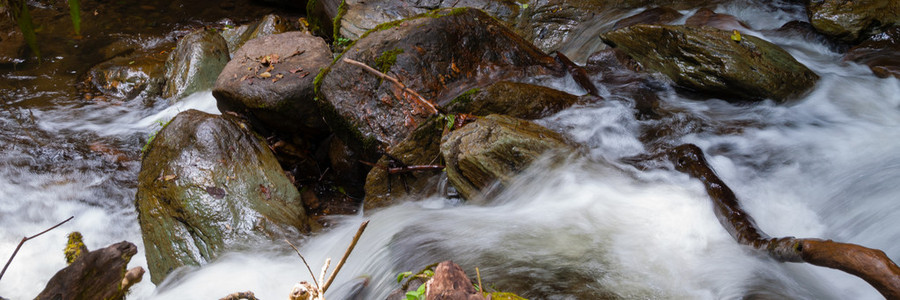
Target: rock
450	282
520	100
494	149
12	43
655	15
805	31
422	147
127	77
208	184
707	17
881	53
271	79
439	55
622	77
320	16
707	61
268	25
195	63
852	21
98	274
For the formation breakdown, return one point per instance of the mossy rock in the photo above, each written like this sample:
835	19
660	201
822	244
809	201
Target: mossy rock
520	100
195	63
268	25
439	55
710	62
207	184
495	149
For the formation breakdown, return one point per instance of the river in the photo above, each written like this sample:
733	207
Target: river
824	166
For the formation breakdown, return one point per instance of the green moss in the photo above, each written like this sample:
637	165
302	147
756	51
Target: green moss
342	10
464	99
386	60
74	247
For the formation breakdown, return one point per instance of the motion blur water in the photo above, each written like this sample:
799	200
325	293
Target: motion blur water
824	166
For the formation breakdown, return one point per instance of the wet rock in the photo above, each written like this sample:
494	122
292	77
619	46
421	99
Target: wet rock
805	31
450	282
624	79
208	184
881	53
852	21
707	17
98	274
268	25
439	55
520	100
422	147
320	16
709	62
655	15
126	77
271	79
357	17
494	149
195	63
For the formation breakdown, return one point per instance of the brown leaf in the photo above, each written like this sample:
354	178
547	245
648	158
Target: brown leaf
169	177
217	193
298	69
265	75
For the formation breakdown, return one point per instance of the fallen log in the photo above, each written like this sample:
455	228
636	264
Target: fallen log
872	265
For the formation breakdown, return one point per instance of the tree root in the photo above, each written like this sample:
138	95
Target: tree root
872	265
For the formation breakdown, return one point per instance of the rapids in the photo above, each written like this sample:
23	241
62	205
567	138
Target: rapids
824	166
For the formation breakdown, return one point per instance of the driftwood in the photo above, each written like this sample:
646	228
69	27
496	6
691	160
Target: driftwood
98	274
872	265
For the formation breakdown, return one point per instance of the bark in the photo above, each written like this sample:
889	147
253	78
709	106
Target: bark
872	265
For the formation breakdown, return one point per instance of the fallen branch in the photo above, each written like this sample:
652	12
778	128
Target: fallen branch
305	291
872	265
25	239
417	97
337	268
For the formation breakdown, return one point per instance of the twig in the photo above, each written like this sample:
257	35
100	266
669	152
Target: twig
396	82
340	264
25	239
480	286
304	263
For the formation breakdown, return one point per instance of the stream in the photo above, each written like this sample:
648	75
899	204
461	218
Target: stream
824	166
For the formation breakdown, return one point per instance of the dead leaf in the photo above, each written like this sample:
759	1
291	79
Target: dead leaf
169	177
215	192
265	75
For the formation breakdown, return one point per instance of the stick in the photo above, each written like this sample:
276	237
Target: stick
872	265
480	286
396	82
340	264
25	239
304	263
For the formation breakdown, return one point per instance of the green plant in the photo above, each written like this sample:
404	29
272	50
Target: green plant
152	135
424	274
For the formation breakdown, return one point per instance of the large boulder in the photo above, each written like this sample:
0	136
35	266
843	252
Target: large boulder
271	78
880	52
208	184
439	55
495	149
852	21
235	37
712	63
195	63
520	100
98	274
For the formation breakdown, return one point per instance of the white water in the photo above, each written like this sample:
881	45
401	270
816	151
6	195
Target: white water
825	166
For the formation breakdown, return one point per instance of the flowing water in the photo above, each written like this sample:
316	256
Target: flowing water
825	166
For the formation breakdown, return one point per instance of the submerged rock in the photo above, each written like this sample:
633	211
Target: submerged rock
208	184
880	52
98	274
707	17
520	100
439	55
195	63
12	43
494	149
127	77
852	21
712	63
271	79
655	15
268	25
